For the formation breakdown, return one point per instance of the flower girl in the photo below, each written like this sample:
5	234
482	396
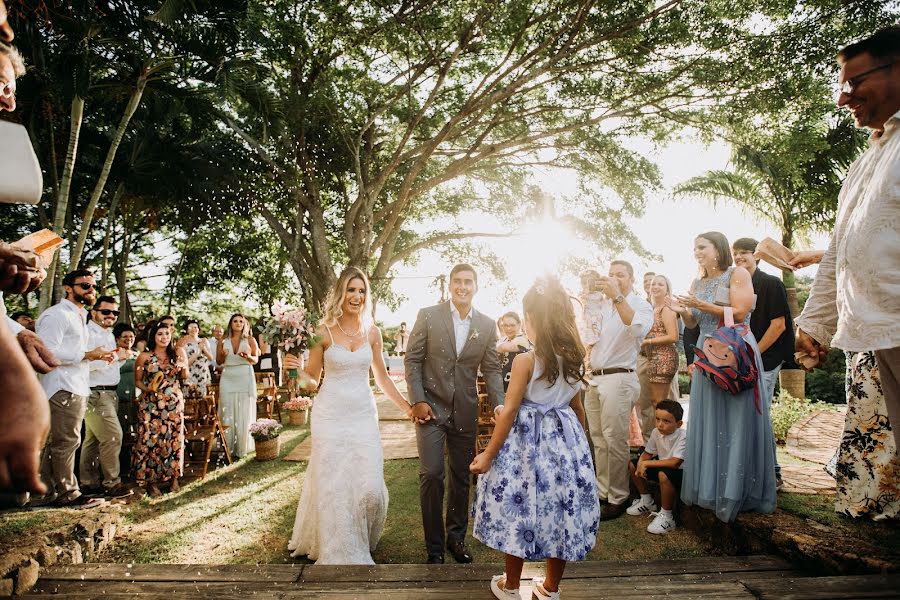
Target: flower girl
536	496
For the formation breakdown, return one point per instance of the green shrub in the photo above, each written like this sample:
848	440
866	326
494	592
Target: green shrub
827	383
684	384
787	410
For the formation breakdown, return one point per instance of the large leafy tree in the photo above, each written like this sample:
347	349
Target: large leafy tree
373	116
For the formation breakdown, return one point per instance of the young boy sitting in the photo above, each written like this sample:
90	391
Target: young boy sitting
661	463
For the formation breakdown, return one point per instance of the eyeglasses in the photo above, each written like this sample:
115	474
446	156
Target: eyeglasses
86	286
851	83
108	311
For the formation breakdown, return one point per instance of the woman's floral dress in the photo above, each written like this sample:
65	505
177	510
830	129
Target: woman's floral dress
539	500
199	375
158	451
868	466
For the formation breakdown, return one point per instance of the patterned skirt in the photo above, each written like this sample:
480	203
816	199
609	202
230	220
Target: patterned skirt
158	452
868	466
539	500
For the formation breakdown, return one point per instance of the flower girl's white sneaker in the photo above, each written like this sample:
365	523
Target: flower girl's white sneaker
540	593
639	507
661	524
500	592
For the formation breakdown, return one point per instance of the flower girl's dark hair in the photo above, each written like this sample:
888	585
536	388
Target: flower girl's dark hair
550	314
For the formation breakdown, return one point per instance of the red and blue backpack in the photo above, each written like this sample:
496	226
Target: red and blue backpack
728	360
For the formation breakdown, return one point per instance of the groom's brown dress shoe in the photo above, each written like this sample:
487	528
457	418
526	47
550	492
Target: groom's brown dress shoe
459	551
611	511
435	559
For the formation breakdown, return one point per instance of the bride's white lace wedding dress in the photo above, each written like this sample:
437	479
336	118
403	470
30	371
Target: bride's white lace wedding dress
344	501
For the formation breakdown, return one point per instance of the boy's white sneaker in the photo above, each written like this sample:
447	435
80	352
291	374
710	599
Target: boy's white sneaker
540	593
500	592
639	507
661	524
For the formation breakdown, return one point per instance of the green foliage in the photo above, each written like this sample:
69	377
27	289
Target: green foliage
684	384
827	383
787	410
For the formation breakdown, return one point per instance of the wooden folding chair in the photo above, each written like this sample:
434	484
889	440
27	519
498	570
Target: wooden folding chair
204	427
266	395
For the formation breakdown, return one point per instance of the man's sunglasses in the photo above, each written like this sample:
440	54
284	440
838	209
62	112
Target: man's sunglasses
86	286
108	311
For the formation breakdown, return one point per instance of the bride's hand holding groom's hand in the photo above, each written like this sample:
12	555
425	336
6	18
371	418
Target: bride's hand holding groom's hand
421	413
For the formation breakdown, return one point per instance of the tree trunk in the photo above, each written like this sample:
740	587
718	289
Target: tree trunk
130	109
62	202
787	277
110	221
174	283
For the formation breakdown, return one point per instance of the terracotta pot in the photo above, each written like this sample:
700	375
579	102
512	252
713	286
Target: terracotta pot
268	449
298	417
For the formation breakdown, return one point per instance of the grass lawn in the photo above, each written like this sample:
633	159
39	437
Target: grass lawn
244	514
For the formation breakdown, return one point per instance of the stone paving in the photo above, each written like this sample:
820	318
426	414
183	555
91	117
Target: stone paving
814	440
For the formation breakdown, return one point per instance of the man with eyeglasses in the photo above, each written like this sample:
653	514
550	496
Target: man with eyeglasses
854	303
64	329
102	429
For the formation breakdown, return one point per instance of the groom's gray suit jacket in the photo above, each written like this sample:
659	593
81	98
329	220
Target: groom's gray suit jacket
447	382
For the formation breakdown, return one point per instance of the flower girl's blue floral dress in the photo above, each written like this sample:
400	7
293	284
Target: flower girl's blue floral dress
539	500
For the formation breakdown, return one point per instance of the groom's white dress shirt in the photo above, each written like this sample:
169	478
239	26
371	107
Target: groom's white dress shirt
461	327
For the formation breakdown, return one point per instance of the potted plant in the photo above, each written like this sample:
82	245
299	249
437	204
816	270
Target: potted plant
265	434
298	409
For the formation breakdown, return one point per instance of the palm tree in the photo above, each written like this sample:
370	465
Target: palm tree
791	178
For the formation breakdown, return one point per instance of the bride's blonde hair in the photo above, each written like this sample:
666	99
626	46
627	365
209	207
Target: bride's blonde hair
335	302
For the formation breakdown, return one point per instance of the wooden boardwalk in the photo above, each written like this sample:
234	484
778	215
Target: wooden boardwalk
696	578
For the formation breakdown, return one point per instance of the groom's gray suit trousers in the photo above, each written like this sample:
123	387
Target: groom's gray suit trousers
460	452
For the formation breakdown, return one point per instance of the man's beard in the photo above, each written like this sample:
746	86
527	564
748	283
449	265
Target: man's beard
82	299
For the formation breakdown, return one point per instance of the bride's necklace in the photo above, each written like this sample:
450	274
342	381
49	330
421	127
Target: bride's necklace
351	336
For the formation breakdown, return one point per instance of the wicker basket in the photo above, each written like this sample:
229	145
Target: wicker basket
298	417
268	449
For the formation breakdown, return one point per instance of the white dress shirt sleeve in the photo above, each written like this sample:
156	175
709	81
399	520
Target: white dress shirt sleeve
14	326
642	320
820	315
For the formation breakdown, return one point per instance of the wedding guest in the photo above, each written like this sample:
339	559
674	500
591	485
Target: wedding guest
661	463
609	400
99	464
237	387
536	497
199	358
24	319
214	342
402	340
512	342
143	331
158	453
771	323
590	318
126	390
658	355
851	305
729	466
63	328
169	321
648	280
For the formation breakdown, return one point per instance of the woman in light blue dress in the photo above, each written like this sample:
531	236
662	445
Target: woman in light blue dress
729	466
237	353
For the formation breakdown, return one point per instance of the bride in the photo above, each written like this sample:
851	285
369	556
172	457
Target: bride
344	501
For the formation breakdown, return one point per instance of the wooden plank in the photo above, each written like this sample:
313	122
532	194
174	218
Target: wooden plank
183	573
824	588
599	569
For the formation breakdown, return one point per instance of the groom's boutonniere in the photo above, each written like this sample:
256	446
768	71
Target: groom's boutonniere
474	335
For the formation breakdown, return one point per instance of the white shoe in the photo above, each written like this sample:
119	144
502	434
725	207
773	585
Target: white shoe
661	524
501	592
638	508
540	593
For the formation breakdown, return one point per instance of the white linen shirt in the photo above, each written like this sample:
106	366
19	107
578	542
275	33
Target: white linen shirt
102	372
667	446
854	303
461	327
618	344
64	331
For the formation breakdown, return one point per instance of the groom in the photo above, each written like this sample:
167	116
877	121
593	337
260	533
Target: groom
448	344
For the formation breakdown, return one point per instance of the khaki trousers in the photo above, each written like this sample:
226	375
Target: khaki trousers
102	440
644	405
608	408
889	370
58	458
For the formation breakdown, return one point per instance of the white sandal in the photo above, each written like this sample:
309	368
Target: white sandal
540	593
500	591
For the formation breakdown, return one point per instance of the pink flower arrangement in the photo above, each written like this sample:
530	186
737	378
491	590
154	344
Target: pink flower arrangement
265	429
291	330
297	404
